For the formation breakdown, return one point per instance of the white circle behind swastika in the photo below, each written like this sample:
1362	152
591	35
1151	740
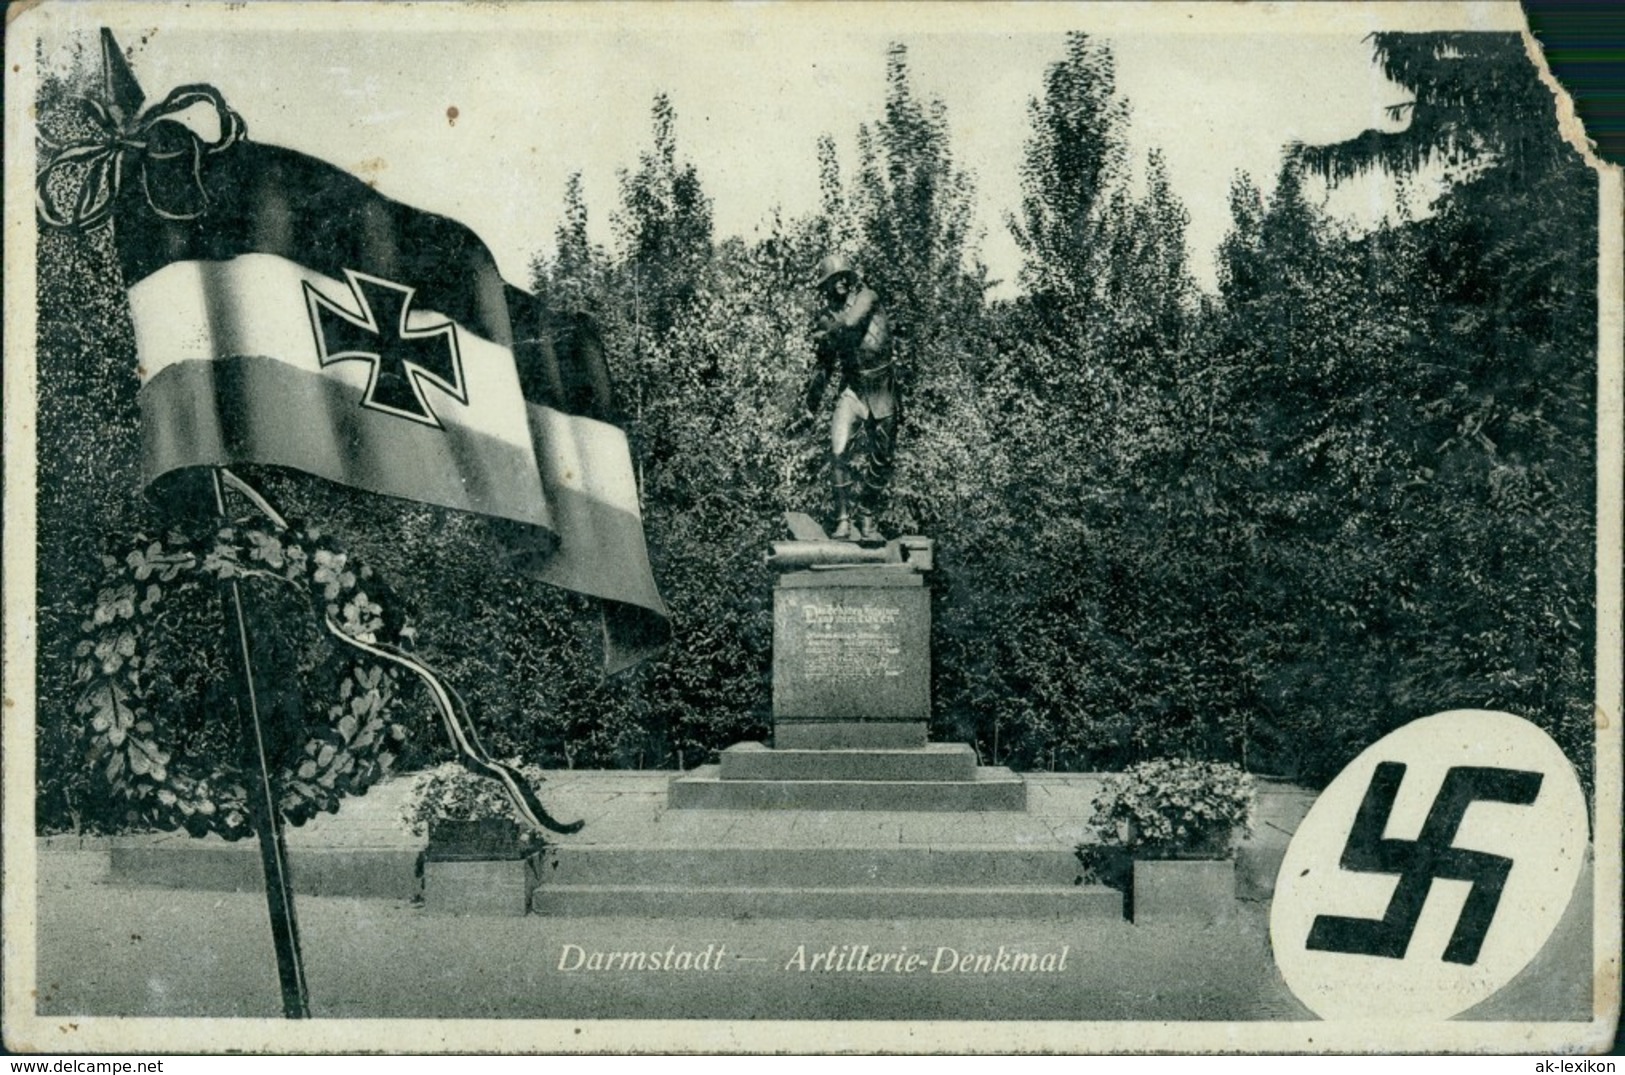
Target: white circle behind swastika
1484	814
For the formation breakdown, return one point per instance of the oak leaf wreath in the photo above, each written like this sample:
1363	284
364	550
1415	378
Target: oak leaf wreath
340	748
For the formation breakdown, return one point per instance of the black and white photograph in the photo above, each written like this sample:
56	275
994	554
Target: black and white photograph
813	528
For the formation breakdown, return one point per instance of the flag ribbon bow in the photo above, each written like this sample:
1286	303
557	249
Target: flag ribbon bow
167	150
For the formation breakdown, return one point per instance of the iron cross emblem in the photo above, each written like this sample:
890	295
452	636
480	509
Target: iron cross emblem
405	361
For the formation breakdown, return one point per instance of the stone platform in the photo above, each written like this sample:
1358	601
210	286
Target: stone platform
954	762
636	856
710	787
849	735
876	765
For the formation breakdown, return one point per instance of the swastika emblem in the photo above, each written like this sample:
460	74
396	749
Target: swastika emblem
405	361
1419	861
1433	869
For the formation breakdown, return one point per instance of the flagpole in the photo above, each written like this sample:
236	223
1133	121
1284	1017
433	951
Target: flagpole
123	97
262	801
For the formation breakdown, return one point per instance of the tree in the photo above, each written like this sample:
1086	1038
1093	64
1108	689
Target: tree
664	223
1476	100
834	228
1421	398
1240	249
1073	156
573	280
1106	648
1143	286
913	207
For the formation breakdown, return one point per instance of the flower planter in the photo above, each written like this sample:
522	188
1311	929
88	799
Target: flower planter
486	838
492	887
1177	820
1194	883
478	868
479	860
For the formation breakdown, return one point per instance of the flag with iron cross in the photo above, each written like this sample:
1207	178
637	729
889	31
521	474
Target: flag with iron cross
288	314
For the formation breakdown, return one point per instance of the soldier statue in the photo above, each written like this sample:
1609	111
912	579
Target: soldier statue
851	337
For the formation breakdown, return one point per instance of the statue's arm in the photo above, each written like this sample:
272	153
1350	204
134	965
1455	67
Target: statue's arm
854	316
876	334
823	366
843	329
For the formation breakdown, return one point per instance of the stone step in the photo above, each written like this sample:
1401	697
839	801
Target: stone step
849	735
377	873
841	867
992	788
685	901
935	761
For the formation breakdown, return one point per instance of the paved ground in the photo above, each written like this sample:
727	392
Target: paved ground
629	809
106	949
111	949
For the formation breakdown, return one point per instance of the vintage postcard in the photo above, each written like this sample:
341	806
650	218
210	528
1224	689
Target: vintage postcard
807	528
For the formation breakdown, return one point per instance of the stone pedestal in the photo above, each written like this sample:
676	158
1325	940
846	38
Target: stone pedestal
851	698
852	646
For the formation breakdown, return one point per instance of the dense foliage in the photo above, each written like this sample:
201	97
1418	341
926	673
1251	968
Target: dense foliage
1263	526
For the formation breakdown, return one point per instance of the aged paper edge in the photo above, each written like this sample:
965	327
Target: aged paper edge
27	1031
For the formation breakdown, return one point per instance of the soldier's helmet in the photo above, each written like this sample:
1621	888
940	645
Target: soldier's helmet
835	265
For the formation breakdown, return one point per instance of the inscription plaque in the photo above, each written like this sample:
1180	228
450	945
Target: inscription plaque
855	648
852	642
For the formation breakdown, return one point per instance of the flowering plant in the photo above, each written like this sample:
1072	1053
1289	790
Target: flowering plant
1174	808
451	793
